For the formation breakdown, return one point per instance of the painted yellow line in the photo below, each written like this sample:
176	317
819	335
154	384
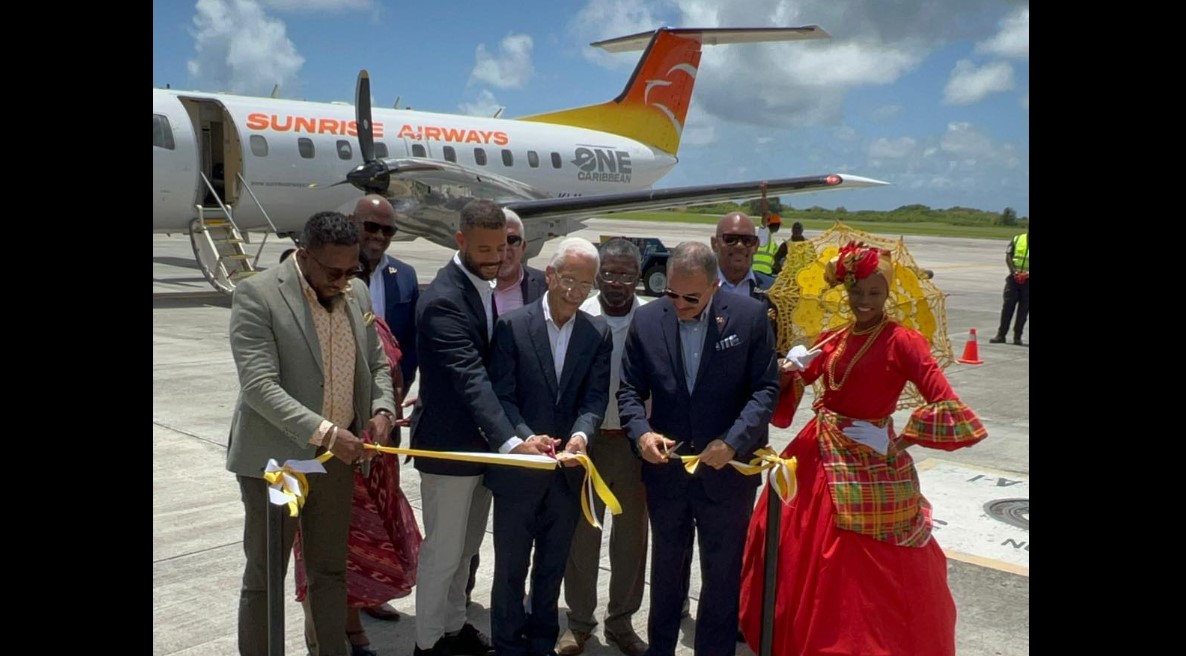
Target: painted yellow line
987	562
931	462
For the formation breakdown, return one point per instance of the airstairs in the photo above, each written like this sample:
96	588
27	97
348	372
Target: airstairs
219	246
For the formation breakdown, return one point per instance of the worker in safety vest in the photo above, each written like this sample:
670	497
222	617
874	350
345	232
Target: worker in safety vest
1017	289
767	246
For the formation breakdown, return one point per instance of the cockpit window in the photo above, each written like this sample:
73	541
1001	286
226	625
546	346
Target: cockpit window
162	132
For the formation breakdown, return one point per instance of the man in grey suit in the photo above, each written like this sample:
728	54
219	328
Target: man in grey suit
550	369
313	376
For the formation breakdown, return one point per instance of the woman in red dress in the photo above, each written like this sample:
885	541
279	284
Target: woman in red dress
384	544
858	570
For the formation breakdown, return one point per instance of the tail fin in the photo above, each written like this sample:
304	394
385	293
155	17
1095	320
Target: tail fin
654	104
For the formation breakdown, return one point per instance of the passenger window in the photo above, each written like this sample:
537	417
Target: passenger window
305	147
345	150
380	150
533	159
259	145
555	160
418	150
162	132
508	158
480	156
450	154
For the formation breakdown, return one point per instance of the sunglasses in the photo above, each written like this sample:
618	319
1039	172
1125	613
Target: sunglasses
734	239
694	299
333	274
373	227
514	240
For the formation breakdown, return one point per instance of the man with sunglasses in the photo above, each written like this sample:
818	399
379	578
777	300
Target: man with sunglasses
314	376
518	284
393	284
706	363
735	243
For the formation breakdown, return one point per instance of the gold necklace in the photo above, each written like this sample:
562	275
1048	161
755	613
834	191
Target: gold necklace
873	332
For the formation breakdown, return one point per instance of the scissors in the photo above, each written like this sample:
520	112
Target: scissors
670	453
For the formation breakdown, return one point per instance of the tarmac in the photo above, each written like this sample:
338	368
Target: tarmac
979	494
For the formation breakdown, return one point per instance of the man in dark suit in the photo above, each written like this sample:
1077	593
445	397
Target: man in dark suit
735	243
550	369
313	377
706	361
518	284
393	285
457	410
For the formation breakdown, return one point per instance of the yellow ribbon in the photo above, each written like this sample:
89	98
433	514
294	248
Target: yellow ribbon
593	483
781	476
288	485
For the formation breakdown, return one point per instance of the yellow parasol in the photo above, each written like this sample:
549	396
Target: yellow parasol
806	305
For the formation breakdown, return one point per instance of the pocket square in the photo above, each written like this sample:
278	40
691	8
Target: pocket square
728	342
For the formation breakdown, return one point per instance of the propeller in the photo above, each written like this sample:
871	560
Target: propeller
372	176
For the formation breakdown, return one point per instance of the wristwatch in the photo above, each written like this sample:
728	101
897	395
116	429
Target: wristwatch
388	414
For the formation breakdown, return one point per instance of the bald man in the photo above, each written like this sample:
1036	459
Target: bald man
393	284
735	243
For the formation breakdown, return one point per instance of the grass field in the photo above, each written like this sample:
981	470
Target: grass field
876	227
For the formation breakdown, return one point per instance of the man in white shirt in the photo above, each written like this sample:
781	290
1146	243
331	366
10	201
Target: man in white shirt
550	368
735	243
621	469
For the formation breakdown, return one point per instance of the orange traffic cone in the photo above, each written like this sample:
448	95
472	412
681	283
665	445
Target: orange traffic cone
971	350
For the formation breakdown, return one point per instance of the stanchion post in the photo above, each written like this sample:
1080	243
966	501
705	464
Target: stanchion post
275	578
770	575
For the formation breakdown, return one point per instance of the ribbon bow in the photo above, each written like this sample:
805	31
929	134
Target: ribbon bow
593	484
781	476
287	484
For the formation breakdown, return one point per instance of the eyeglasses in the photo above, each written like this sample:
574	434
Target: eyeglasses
734	239
514	240
568	283
373	227
621	278
335	274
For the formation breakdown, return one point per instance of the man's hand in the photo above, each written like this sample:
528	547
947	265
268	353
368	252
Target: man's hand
576	444
1021	276
379	428
717	454
400	419
349	449
654	447
537	445
798	359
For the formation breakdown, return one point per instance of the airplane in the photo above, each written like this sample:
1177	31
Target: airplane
225	165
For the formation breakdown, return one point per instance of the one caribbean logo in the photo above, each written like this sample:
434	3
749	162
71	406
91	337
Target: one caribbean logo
602	164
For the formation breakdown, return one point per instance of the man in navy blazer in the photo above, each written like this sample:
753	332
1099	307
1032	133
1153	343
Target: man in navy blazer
517	284
706	362
393	285
550	369
456	410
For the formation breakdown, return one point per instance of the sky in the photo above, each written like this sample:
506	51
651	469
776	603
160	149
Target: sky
931	96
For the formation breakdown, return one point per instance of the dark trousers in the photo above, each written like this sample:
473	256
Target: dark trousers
546	523
721	526
1017	295
325	525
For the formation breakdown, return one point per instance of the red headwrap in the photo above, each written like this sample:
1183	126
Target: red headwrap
857	261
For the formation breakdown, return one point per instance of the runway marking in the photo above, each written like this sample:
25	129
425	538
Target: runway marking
959	495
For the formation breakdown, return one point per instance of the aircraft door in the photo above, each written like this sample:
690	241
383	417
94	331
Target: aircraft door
175	160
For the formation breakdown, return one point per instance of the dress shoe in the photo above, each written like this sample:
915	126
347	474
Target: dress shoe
999	339
469	641
1017	342
441	648
382	612
627	641
571	642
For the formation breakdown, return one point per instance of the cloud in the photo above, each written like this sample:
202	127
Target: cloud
605	19
886	112
1025	100
1013	40
969	84
485	105
510	69
962	141
892	148
240	49
319	5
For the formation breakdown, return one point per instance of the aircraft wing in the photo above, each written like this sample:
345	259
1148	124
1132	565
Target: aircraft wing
584	207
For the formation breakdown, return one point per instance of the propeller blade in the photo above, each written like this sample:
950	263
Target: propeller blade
362	113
